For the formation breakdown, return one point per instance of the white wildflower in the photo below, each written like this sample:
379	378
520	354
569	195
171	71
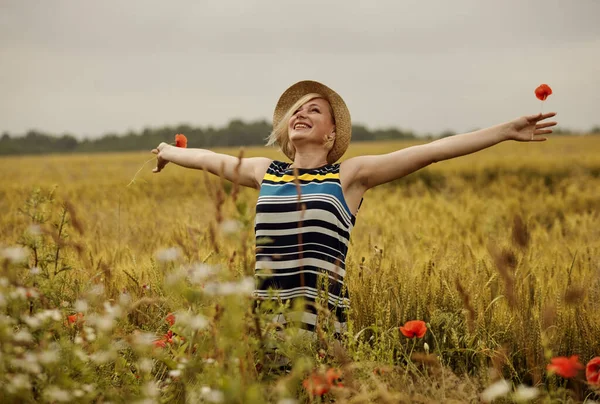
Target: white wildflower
49	356
175	373
81	306
195	322
78	393
214	396
146	365
3	282
426	348
54	393
205	390
124	299
102	357
32	322
23	336
144	338
18	382
525	393
53	314
34	230
496	390
230	226
245	287
19	294
151	389
90	334
103	323
88	388
114	311
209	361
199	272
168	254
78	340
14	254
28	363
287	401
35	271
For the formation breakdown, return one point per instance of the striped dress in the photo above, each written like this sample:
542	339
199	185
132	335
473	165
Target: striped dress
302	231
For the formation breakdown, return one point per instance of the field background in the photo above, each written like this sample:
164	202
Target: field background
498	251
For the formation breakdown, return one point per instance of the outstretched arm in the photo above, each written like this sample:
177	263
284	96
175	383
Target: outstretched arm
245	171
370	171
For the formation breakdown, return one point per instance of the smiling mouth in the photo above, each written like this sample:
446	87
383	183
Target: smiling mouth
301	126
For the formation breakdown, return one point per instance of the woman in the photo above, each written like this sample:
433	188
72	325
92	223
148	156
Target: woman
306	209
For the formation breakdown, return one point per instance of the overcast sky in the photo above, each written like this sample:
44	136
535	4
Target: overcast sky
91	67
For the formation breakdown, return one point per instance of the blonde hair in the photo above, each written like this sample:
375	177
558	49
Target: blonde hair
280	135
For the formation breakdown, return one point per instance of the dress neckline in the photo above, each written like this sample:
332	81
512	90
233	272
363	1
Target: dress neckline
287	167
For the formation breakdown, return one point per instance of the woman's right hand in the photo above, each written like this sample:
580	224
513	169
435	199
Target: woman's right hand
161	161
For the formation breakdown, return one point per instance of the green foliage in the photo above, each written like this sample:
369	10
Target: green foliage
236	133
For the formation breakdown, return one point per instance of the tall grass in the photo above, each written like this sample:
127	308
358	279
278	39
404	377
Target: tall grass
498	252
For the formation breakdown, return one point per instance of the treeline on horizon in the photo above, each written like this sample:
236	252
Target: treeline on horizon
236	133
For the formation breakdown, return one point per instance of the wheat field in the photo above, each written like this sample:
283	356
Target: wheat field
498	252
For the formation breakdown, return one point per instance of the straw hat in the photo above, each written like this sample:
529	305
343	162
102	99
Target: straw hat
343	124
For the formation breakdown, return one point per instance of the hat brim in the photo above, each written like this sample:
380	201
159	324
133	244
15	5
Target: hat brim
343	123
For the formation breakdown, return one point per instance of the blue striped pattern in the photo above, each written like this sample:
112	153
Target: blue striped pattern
302	243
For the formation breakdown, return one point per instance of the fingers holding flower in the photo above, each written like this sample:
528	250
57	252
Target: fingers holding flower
530	128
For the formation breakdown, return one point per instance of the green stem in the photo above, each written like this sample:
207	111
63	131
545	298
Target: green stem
138	171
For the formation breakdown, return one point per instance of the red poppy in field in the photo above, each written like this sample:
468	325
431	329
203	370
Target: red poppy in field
166	339
414	328
333	375
565	367
316	385
592	371
170	319
543	91
74	318
180	140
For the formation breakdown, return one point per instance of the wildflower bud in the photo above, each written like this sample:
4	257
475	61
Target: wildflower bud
426	348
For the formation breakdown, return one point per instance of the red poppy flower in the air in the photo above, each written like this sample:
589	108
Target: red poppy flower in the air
180	140
592	371
543	91
414	328
565	367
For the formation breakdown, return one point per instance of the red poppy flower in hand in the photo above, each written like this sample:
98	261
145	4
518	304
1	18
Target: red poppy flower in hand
180	140
414	328
543	91
565	367
592	371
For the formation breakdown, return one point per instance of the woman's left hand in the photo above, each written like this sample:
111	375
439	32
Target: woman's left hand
530	128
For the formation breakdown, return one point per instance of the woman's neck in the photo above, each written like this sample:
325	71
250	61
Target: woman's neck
308	161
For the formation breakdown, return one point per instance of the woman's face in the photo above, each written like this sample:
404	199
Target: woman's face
312	120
